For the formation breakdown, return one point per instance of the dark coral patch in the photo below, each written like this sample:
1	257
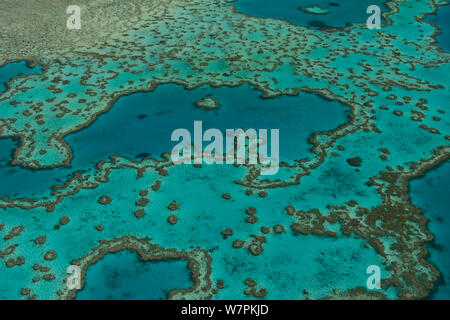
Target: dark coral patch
104	200
172	219
355	162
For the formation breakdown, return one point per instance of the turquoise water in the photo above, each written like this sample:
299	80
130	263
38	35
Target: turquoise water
140	125
18	182
292	263
435	202
441	19
341	12
431	194
122	275
15	69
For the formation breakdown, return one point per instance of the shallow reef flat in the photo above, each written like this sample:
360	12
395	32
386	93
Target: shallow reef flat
308	232
32	29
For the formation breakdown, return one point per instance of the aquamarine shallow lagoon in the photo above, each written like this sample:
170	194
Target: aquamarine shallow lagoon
122	275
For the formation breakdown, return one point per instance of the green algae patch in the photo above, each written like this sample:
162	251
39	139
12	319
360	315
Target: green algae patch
315	10
208	103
